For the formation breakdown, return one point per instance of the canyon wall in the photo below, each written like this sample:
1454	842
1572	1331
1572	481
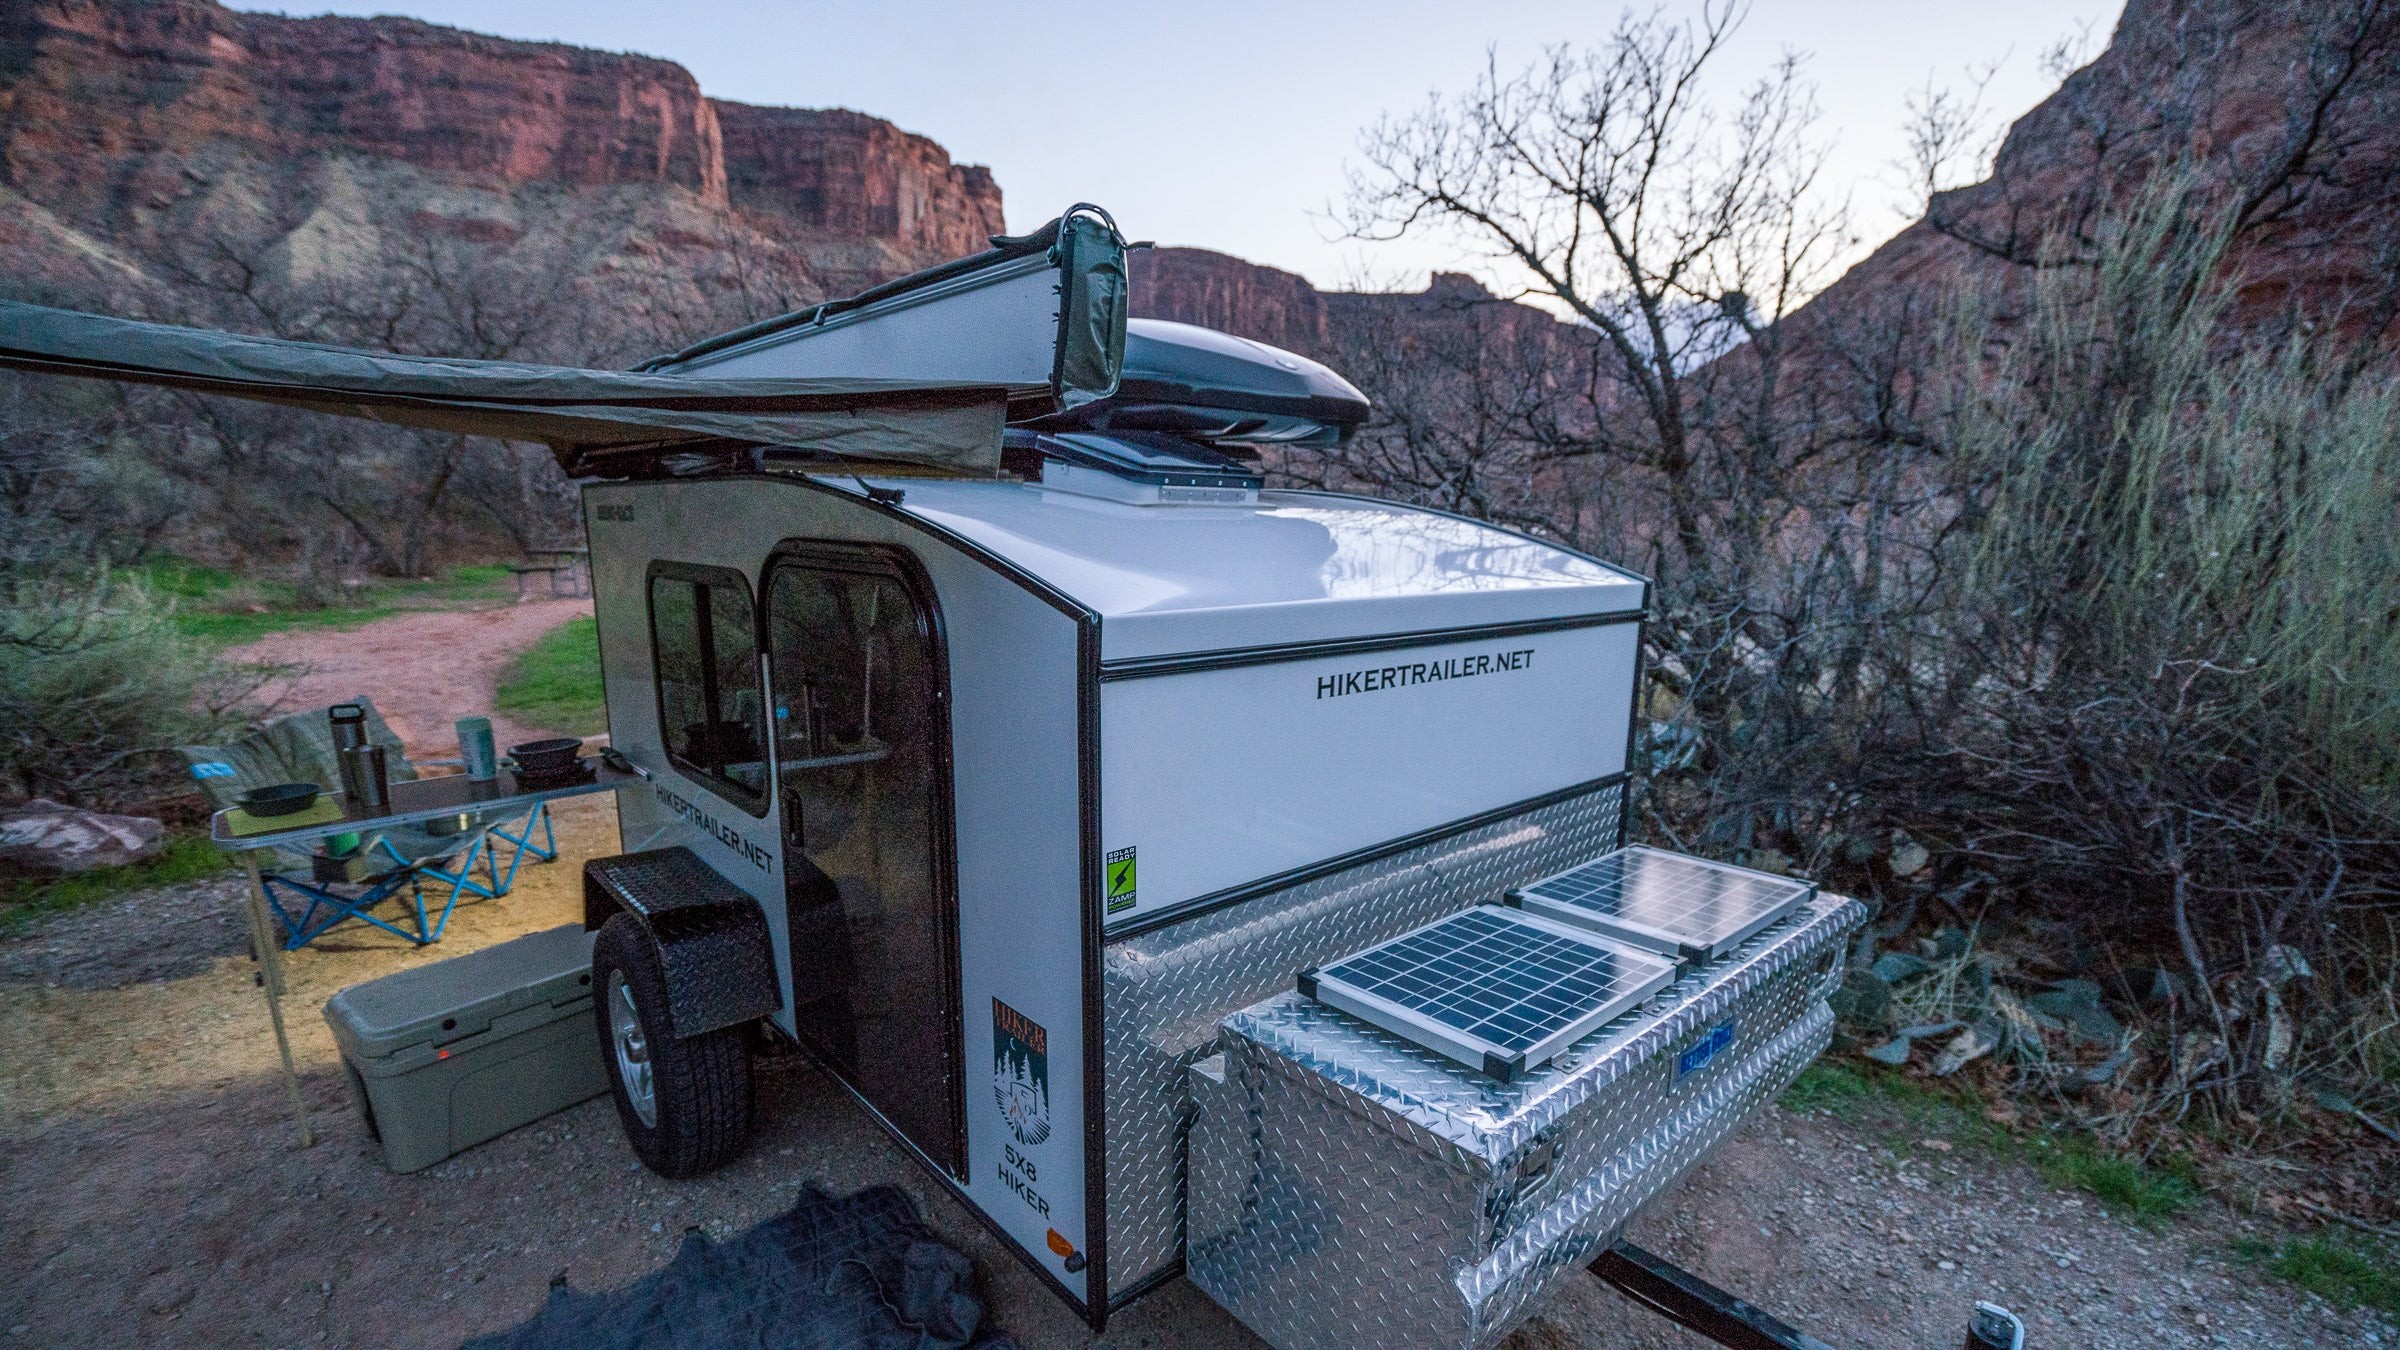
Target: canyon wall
127	130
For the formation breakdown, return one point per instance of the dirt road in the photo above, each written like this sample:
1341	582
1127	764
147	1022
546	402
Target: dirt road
152	1189
424	670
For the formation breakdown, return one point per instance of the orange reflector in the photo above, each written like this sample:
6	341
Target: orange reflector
441	1054
1059	1243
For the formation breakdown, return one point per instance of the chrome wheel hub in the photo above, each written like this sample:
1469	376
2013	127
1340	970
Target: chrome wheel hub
633	1050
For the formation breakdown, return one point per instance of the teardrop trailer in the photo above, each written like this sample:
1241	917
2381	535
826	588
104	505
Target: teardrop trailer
1195	877
1035	794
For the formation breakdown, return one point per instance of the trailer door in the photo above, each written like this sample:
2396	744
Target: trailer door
862	757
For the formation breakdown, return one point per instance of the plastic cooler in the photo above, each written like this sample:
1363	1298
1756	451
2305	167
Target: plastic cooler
445	1056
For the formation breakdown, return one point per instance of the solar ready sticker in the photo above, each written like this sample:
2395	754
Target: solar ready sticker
1703	1051
1117	881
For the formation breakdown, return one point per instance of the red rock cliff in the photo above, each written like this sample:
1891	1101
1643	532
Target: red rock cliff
2285	110
106	108
845	173
1217	290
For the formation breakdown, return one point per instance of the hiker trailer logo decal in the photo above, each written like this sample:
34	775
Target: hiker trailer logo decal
1021	1073
1119	883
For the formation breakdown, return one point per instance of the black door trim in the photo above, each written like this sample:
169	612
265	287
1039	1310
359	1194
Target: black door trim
898	564
1095	992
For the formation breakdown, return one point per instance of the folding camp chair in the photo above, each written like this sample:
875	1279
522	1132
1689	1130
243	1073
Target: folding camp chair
304	891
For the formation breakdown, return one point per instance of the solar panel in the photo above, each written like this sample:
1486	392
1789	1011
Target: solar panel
1491	988
1666	902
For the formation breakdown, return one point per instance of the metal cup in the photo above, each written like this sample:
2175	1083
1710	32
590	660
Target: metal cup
349	722
366	775
476	749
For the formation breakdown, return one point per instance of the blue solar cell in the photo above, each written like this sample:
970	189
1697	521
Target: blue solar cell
1491	987
1666	901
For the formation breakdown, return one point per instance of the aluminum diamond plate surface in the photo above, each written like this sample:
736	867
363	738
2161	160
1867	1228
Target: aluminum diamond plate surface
1349	1188
1167	991
711	936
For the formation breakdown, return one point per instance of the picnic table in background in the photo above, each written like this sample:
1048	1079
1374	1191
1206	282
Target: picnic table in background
569	571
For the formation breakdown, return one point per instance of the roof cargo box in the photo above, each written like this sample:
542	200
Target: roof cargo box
1203	385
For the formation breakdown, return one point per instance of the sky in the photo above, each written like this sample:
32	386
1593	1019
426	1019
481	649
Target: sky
1229	124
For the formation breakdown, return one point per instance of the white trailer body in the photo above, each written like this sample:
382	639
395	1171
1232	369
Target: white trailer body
1153	713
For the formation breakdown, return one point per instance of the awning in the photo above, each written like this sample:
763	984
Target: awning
589	418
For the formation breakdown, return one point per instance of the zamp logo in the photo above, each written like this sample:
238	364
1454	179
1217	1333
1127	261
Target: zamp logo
1118	888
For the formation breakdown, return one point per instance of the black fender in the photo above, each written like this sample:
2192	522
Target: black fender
711	936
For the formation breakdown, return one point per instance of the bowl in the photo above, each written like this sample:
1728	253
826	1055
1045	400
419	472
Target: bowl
283	799
546	758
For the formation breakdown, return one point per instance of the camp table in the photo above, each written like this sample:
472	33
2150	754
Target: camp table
410	802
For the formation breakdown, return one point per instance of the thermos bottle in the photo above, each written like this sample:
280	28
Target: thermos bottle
349	731
364	772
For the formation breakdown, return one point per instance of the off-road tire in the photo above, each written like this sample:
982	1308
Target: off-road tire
702	1083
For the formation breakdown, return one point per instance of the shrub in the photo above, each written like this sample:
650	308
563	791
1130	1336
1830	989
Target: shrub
2161	669
97	687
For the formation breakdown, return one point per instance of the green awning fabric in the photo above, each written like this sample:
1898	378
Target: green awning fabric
589	418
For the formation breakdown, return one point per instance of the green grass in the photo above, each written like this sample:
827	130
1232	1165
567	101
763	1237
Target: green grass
555	685
2149	1193
187	857
1830	1088
220	608
186	581
2346	1272
233	630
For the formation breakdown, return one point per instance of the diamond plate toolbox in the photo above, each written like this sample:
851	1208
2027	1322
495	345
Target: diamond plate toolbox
1348	1188
1169	989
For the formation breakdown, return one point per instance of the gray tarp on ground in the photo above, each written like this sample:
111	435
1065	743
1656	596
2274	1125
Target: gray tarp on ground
857	1272
578	413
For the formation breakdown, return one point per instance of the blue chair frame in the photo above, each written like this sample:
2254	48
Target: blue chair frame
323	907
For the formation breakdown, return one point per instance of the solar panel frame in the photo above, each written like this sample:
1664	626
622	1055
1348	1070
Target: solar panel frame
1775	897
1625	977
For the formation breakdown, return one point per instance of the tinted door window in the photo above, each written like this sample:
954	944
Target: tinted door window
861	751
710	712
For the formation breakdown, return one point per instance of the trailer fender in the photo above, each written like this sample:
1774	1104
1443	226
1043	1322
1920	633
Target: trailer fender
711	937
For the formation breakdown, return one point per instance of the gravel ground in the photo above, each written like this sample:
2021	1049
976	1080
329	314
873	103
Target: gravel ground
1867	1237
166	934
149	1170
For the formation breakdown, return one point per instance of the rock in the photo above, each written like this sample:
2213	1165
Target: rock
1908	856
110	113
164	1292
838	175
48	837
2215	83
1214	290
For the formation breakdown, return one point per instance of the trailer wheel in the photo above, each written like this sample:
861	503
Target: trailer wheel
685	1104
